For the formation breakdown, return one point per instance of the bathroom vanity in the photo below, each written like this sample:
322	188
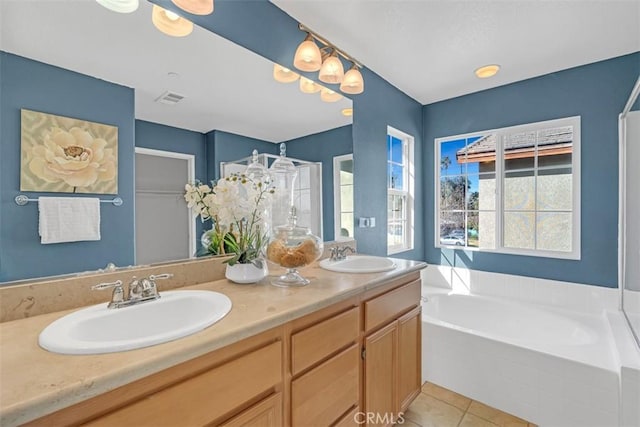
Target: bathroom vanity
326	354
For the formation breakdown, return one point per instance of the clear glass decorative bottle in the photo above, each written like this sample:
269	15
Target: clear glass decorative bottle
292	247
284	174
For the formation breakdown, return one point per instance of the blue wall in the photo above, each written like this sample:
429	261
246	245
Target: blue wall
36	86
226	147
323	147
596	92
168	138
383	105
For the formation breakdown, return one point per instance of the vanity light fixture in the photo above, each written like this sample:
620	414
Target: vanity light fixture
347	112
308	86
308	57
332	70
170	23
328	95
284	75
352	83
196	7
317	54
487	71
120	6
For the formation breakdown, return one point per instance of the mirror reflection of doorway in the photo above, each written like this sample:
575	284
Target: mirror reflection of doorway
343	197
165	227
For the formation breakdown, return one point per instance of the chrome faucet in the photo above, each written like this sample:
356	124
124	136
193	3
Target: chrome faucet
140	291
338	253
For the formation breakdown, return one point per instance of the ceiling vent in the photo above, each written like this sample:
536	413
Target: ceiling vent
169	98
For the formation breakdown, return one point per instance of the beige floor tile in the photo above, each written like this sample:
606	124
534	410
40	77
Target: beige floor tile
471	420
496	416
407	423
428	411
453	398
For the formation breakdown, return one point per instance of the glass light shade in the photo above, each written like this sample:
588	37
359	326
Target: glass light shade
352	83
308	86
307	57
487	71
120	6
332	70
170	23
196	7
328	95
284	75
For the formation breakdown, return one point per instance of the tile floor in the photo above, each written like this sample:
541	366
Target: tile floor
439	407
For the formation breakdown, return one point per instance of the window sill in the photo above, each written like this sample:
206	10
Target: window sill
574	256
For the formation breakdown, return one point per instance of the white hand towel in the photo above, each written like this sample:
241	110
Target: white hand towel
68	219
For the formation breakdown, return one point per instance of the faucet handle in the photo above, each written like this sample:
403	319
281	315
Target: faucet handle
117	297
155	277
106	285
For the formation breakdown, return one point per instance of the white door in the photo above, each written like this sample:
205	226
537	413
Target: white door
165	228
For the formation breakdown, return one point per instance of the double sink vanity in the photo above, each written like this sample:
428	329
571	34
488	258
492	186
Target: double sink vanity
218	353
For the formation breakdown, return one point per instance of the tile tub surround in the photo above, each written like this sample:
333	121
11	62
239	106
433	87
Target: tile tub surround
530	290
53	294
26	394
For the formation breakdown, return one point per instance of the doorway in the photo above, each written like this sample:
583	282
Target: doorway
165	227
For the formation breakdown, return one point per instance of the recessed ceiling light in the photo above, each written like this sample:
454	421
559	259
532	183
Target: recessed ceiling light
347	112
487	71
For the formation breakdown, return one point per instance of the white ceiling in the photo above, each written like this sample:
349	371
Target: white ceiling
226	87
430	48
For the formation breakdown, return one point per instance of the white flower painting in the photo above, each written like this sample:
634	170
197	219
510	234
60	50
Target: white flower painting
62	154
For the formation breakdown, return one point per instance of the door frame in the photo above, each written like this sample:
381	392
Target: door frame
337	203
191	172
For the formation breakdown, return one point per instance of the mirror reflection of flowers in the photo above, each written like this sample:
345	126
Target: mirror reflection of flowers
238	207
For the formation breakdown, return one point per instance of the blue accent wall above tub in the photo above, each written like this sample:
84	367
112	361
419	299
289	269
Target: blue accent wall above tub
596	92
37	86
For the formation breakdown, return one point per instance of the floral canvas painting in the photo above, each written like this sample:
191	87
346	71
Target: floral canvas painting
66	155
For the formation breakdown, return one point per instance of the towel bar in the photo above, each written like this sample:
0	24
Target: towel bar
22	200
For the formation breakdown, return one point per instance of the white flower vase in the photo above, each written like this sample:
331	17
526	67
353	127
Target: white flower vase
246	273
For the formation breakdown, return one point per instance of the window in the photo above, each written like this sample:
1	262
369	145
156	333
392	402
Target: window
343	197
511	190
400	191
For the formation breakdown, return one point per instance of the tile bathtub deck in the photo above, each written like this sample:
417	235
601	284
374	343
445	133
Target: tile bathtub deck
439	407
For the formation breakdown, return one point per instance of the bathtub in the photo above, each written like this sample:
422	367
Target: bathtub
545	365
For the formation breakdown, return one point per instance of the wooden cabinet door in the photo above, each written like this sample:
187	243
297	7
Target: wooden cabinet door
380	373
409	357
267	413
322	395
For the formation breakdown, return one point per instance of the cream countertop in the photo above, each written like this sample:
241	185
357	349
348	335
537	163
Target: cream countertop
35	382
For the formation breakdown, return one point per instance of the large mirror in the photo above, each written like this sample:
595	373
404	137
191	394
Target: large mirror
630	210
228	104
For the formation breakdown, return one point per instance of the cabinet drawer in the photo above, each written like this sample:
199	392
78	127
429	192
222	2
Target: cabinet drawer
204	398
266	413
322	395
389	306
321	340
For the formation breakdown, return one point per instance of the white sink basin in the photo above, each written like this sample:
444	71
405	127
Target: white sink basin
97	329
359	264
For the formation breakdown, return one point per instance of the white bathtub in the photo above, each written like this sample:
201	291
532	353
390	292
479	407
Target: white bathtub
550	367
